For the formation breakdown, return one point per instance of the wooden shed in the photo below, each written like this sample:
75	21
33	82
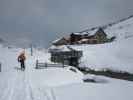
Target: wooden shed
68	56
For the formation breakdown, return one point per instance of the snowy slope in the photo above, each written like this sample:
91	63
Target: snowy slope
117	55
121	30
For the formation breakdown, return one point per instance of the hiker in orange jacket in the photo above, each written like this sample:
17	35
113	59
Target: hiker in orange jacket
21	59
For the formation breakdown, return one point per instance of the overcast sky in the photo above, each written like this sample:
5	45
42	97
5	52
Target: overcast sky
41	21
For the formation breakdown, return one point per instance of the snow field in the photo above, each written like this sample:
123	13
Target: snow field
31	84
63	84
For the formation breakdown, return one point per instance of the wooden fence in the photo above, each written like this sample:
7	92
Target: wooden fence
40	65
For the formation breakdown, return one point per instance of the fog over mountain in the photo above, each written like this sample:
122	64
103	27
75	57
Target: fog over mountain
23	22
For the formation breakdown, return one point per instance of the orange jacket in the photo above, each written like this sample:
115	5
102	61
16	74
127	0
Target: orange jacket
21	57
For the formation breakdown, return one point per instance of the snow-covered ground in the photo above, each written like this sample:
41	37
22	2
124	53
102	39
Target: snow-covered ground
109	89
31	84
54	83
64	84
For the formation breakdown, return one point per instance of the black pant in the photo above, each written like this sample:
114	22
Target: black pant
22	64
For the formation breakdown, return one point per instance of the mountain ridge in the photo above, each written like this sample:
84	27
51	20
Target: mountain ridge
107	25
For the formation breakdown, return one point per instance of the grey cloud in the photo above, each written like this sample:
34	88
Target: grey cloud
41	21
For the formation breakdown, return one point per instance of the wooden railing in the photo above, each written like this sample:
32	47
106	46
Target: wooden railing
40	65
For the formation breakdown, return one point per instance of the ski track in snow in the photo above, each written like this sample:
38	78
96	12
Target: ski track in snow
31	84
16	85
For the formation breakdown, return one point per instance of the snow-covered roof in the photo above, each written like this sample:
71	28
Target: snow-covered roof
53	47
77	33
60	48
55	41
90	32
80	33
64	48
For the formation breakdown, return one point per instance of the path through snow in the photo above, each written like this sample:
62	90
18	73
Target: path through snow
31	84
17	85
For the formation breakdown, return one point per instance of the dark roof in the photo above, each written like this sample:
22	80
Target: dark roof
100	31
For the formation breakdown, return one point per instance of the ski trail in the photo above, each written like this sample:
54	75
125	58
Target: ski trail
7	88
19	89
36	92
33	90
19	85
15	87
28	88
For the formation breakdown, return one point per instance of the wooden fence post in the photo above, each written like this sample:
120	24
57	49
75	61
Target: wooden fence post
36	64
63	64
0	66
31	49
46	65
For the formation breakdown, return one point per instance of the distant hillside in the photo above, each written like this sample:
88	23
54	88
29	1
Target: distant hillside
107	25
121	29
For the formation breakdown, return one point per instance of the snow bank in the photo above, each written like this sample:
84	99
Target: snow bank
113	90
